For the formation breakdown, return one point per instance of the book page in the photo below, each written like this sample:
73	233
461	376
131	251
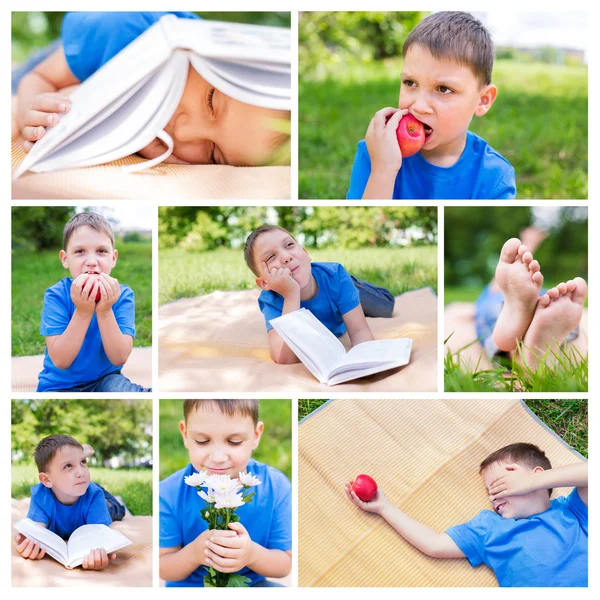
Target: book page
53	544
88	537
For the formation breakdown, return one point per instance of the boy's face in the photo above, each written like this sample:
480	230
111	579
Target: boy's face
442	94
217	443
88	251
209	127
512	507
278	249
67	474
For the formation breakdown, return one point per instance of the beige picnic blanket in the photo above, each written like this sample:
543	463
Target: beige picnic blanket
25	369
425	455
218	343
459	320
163	182
131	568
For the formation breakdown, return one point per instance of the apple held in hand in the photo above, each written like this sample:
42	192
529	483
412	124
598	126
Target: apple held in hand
95	277
411	135
365	487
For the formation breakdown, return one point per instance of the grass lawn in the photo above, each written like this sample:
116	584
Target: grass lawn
538	122
275	448
185	275
133	485
566	417
34	272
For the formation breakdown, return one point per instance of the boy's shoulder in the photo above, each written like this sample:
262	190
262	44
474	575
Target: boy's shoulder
61	287
492	158
328	269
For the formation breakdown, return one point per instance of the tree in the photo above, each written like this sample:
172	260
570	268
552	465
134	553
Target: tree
39	227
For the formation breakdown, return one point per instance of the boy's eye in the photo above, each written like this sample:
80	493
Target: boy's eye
444	89
235	443
269	258
201	443
409	83
289	244
68	466
209	101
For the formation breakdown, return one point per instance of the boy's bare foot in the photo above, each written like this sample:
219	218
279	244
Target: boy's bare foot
558	312
518	276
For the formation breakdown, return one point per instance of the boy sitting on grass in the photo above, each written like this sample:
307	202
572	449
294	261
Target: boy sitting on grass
88	320
526	539
220	436
66	498
446	79
290	281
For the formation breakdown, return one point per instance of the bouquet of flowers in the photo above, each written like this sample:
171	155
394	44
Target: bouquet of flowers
222	497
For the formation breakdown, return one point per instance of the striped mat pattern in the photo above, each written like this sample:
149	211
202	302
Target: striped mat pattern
425	455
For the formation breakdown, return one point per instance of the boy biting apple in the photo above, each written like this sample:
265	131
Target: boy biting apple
526	539
446	79
220	436
88	318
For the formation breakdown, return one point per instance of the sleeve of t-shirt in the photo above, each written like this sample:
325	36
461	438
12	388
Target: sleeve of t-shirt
506	189
55	313
280	535
470	537
91	39
37	513
270	308
579	509
361	169
97	512
348	298
124	310
170	531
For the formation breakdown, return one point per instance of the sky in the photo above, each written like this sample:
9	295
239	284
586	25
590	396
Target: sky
129	215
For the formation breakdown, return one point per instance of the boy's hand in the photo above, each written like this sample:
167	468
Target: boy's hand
279	280
376	505
45	111
382	143
83	293
516	482
28	548
97	560
110	290
229	554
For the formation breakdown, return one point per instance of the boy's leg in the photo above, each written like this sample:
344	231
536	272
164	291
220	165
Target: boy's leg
487	309
375	301
116	510
116	382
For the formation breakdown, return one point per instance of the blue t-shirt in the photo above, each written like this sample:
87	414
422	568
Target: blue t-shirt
479	174
89	509
267	518
91	39
91	363
546	550
336	296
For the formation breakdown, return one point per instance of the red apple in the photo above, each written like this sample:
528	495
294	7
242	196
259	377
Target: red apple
94	277
411	135
365	487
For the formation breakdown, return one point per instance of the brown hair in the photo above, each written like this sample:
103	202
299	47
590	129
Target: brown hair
246	408
459	36
528	455
49	446
251	240
87	219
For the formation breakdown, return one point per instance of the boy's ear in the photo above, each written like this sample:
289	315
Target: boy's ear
63	259
538	469
115	256
44	480
260	426
487	96
261	283
183	432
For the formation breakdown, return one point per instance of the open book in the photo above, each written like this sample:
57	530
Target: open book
325	356
82	540
127	103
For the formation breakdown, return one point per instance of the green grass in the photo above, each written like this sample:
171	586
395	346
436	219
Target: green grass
34	272
538	122
305	407
186	275
133	485
565	371
275	448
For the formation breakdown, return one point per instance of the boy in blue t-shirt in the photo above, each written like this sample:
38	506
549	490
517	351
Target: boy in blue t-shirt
220	436
290	281
208	126
66	498
88	321
527	539
446	80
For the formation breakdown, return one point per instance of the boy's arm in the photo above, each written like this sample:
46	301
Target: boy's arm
519	480
179	562
419	535
357	326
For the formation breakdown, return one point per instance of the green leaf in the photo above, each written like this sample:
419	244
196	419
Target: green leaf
238	581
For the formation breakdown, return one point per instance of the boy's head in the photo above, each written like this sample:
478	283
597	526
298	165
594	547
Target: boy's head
446	75
277	249
507	459
62	466
220	435
210	127
88	245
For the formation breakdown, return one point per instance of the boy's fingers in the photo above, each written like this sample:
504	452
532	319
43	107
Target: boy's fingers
33	134
394	120
45	119
41	554
382	116
27	145
112	556
51	103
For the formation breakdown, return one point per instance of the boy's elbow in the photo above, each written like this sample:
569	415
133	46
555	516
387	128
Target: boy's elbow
61	363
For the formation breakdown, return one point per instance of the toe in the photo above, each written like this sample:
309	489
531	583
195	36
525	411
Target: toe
523	249
544	300
534	266
538	278
553	293
509	251
527	258
571	286
580	292
562	288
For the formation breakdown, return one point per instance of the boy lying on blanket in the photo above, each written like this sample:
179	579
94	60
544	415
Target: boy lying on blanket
526	539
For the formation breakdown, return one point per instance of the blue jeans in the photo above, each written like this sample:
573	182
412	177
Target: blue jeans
115	509
33	61
113	382
375	301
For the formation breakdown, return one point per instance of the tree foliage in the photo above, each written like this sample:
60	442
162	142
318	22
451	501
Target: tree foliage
39	227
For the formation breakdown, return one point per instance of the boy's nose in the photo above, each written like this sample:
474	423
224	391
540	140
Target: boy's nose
218	456
421	103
